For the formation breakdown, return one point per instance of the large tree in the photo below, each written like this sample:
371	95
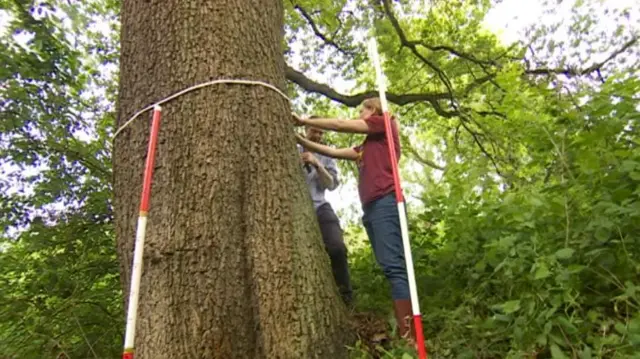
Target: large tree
545	265
233	265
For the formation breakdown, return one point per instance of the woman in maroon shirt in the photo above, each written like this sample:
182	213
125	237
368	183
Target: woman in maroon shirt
376	190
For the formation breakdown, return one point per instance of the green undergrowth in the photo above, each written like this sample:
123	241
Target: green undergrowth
545	269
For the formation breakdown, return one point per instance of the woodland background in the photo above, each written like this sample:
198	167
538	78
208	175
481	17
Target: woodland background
521	160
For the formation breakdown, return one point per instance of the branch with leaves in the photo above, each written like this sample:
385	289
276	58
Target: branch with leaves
417	156
576	71
312	86
433	98
448	103
316	30
412	45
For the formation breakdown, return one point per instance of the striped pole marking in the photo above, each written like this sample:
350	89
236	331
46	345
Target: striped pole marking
136	271
415	305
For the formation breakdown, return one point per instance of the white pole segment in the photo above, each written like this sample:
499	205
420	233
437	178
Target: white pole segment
136	273
382	89
415	304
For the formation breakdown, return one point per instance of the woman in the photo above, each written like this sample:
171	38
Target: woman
376	191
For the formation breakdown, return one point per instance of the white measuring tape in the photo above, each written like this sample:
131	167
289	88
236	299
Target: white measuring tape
195	87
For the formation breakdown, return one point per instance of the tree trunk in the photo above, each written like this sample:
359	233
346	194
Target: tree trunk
234	266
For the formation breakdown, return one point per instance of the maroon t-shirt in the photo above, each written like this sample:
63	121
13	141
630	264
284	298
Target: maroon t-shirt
374	164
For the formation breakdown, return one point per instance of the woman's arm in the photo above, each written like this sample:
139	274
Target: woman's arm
342	153
334	124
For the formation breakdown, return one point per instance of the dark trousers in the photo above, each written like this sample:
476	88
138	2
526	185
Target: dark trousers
335	247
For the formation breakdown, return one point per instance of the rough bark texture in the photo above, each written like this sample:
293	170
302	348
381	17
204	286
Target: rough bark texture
234	265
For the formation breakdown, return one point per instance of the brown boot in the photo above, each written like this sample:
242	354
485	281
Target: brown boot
402	309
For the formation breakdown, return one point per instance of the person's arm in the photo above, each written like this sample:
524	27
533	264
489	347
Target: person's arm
328	173
326	180
334	124
323	173
373	124
341	153
338	125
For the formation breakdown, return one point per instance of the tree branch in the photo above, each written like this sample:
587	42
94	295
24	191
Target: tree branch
585	71
412	46
453	51
62	148
476	83
319	33
475	136
417	156
309	85
491	113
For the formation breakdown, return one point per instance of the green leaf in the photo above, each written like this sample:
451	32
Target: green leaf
542	271
628	165
585	353
502	318
575	268
511	306
567	325
541	339
557	353
602	234
507	242
564	253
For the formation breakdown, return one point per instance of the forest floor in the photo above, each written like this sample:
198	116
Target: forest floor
373	332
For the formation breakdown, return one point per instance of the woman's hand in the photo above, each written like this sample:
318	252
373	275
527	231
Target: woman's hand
342	153
297	120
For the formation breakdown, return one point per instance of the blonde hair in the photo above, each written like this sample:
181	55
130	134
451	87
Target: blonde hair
373	104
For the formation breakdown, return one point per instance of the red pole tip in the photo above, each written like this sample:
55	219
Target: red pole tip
422	347
127	355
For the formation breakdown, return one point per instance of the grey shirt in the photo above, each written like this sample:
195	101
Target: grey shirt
314	183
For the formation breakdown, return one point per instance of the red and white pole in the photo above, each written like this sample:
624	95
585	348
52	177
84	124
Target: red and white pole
136	271
415	305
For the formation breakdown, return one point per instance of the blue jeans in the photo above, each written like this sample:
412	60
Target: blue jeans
383	228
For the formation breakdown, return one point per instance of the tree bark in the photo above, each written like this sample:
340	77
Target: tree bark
234	266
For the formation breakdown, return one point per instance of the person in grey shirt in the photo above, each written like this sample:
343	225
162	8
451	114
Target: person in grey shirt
321	175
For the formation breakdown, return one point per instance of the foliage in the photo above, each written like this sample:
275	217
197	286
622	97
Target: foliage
524	159
64	296
550	267
61	292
